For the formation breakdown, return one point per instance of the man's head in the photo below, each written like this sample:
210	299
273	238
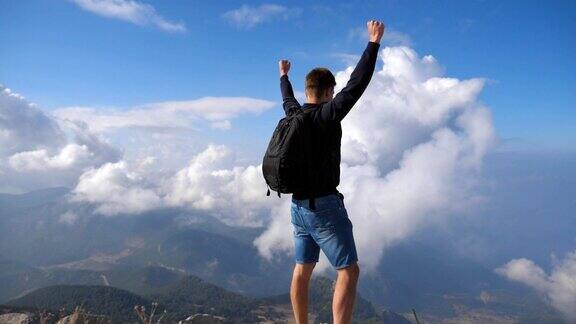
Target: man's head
320	84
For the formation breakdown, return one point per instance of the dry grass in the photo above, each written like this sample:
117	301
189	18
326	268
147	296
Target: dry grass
79	316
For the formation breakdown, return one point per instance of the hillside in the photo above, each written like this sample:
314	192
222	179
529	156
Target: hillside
102	300
190	296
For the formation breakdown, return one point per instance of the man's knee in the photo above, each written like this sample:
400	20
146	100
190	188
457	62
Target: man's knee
304	270
352	271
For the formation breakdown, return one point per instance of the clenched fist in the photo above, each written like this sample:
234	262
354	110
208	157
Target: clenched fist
284	67
375	30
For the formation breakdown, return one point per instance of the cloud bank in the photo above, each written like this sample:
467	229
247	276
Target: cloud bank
211	182
36	151
67	148
131	11
23	126
558	288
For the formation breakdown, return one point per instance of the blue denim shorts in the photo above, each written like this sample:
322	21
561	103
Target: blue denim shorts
327	227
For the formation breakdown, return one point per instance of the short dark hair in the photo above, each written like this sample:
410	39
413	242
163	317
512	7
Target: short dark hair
319	80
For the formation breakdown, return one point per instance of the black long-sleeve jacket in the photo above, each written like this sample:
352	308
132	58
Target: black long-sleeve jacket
327	117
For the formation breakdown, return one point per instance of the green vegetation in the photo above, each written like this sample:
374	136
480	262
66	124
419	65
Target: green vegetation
192	295
186	297
102	300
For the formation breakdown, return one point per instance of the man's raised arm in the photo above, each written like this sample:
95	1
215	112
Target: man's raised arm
289	102
336	109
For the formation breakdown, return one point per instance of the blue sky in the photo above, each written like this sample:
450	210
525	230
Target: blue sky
57	54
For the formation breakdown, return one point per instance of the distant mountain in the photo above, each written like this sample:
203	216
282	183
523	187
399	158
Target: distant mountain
32	223
14	284
192	243
217	258
11	267
32	198
109	301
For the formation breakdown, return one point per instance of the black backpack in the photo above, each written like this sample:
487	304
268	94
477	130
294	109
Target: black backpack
290	158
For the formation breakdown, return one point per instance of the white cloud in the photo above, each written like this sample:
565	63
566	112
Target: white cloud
171	131
248	16
32	142
40	160
131	11
277	239
167	115
213	182
116	189
198	185
412	149
23	126
558	288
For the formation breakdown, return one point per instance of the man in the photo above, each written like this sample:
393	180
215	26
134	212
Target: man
327	226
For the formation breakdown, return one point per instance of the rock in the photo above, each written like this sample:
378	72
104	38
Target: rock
16	318
83	318
203	319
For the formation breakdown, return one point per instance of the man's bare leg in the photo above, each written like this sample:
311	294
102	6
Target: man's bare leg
345	294
299	291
